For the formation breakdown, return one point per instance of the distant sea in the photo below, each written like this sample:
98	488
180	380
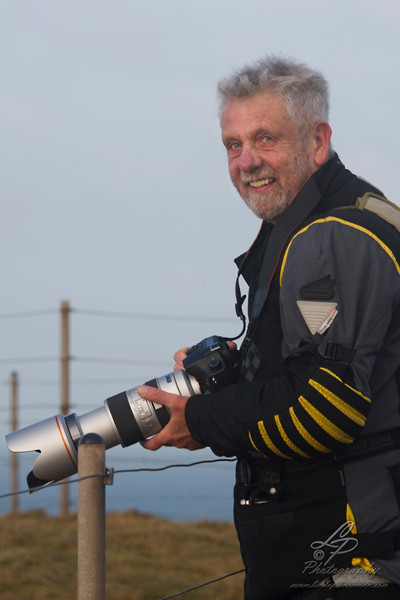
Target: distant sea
201	492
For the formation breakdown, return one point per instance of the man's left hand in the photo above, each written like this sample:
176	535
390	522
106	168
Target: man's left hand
176	432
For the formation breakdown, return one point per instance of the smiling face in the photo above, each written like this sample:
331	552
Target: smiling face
268	162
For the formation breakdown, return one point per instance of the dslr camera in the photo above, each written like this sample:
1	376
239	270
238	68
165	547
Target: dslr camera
125	418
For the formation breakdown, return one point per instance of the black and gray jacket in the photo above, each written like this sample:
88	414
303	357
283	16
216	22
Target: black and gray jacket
320	367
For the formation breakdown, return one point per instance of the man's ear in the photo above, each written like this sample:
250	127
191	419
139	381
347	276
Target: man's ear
321	137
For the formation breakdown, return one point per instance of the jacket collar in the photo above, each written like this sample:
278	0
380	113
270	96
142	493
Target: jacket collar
314	197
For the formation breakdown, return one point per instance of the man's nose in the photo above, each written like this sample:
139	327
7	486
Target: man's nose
249	160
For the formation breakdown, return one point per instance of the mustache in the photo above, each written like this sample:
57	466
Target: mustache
256	174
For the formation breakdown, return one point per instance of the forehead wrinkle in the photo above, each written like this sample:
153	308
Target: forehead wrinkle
246	119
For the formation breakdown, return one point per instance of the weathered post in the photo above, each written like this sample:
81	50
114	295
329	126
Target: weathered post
91	518
14	455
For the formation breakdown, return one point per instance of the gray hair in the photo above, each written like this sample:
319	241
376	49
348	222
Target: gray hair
304	91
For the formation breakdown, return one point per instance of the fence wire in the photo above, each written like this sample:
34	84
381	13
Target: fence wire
116	471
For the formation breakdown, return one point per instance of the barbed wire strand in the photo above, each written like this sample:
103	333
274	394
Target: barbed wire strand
52	484
29	359
119	315
56	382
116	471
196	587
193	464
155	316
92	359
130	361
31	313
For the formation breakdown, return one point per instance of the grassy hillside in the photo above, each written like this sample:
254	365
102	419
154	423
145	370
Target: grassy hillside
147	558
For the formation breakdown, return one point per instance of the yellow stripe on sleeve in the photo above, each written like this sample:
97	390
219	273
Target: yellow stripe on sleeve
340	404
254	446
306	435
346	384
327	425
287	440
268	442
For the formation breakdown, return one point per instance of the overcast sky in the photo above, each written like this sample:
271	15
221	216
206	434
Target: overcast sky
114	187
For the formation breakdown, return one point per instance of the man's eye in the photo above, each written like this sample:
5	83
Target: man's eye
266	138
233	146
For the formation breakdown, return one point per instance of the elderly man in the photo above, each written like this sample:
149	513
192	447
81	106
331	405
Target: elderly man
314	416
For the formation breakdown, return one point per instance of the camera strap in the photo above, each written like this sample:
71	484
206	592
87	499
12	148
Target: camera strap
239	307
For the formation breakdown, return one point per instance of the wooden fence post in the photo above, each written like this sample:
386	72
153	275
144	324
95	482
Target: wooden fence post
91	518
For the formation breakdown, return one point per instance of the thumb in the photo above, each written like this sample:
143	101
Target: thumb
153	443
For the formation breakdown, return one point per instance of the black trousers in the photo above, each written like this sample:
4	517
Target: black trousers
293	534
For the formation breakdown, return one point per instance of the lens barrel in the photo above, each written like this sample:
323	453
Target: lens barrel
123	419
137	419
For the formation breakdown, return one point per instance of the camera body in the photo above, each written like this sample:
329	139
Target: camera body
124	419
211	363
